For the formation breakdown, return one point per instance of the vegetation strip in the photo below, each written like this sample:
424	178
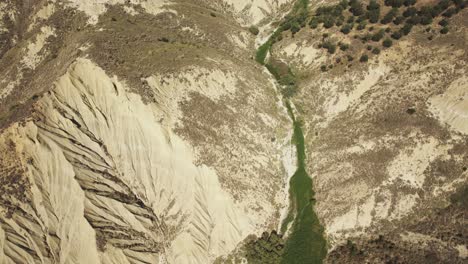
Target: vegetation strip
306	242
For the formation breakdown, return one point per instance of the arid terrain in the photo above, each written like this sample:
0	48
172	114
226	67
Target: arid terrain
233	131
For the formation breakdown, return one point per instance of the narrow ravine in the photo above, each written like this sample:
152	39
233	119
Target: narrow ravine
306	242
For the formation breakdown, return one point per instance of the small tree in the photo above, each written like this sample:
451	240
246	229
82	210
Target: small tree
378	36
444	30
398	20
364	58
443	22
387	43
346	28
343	46
362	25
409	12
254	30
406	29
396	35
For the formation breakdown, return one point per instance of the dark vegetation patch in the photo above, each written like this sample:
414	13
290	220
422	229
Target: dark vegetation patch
267	249
386	21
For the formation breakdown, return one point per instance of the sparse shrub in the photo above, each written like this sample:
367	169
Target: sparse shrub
398	20
350	19
366	37
443	4
323	68
444	30
409	12
369	47
295	27
450	12
254	30
314	22
414	20
361	18
426	20
346	28
373	11
339	21
396	35
328	22
356	8
409	2
378	35
373	15
364	58
376	51
443	22
406	29
329	46
389	16
387	43
362	25
349	57
394	3
343	46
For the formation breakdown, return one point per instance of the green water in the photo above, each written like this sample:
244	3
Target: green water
306	243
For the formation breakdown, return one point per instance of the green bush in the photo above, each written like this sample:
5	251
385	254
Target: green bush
444	30
406	29
346	28
328	22
366	37
339	21
398	20
349	57
373	5
323	68
376	50
443	22
409	12
450	12
362	25
389	16
254	30
426	20
329	46
387	43
343	46
378	35
356	8
314	22
409	2
394	3
364	58
396	35
373	15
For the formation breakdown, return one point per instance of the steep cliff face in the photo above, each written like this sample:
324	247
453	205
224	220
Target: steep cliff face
155	153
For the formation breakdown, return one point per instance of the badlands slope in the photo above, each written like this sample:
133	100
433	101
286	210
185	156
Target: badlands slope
144	131
132	134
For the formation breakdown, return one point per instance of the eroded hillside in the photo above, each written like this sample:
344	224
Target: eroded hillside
196	131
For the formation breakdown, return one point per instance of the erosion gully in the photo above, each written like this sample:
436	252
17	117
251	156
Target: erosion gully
306	242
